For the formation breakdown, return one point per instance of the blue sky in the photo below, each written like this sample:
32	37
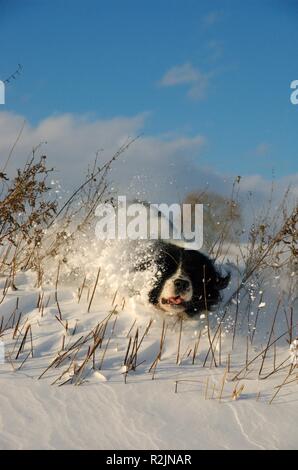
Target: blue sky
219	69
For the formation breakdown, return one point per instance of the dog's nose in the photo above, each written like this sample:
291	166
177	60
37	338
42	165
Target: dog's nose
181	284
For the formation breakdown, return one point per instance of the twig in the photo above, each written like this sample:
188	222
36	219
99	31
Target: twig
94	289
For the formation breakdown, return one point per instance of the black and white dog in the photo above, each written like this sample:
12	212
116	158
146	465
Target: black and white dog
185	281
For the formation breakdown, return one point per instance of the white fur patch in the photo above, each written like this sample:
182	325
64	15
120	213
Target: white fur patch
168	291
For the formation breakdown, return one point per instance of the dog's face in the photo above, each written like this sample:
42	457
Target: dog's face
175	292
186	281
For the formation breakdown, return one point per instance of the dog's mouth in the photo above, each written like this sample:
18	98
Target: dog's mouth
177	300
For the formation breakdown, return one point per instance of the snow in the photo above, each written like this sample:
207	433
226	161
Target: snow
175	405
294	352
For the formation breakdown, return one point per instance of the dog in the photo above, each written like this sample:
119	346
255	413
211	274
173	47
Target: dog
185	281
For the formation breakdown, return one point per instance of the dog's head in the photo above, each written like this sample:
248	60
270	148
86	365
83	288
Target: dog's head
186	281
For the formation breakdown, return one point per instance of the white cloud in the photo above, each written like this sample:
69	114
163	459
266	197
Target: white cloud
71	141
212	18
215	49
262	187
262	149
187	74
152	165
154	168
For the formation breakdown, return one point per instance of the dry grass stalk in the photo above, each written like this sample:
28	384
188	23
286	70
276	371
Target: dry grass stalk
97	334
261	353
254	329
89	355
56	290
5	289
161	344
131	328
196	347
17	326
274	353
276	369
206	388
130	361
22	345
269	339
179	341
81	289
114	297
220	345
208	322
236	316
94	289
23	362
107	344
213	340
292	367
223	384
229	362
246	355
237	391
65	326
291	324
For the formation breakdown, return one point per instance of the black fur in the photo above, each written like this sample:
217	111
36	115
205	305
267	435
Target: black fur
206	280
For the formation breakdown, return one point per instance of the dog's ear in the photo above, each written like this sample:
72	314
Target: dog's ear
222	281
